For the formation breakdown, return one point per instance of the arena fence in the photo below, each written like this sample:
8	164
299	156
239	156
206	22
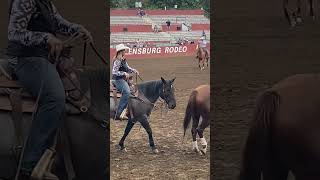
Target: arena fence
159	52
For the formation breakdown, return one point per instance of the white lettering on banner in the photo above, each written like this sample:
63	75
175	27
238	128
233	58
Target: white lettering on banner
176	49
144	51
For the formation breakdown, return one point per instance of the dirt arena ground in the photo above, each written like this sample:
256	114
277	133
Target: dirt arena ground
176	159
255	48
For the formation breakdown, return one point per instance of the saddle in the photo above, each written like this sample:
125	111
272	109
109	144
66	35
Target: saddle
117	94
14	99
13	94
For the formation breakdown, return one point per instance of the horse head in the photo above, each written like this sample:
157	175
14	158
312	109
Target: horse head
167	93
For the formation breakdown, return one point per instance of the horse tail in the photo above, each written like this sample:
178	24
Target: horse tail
190	110
257	148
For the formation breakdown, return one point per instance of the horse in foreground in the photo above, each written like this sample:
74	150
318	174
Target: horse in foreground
86	132
295	17
284	135
140	107
198	110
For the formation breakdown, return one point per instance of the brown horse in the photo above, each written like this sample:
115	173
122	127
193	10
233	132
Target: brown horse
203	58
285	133
198	109
296	18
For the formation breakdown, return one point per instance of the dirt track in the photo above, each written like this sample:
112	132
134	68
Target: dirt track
175	160
255	48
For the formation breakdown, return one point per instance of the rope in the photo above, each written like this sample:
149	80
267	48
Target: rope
26	140
84	54
98	54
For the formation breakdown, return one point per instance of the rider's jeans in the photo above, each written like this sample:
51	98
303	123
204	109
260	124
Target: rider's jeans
123	87
31	72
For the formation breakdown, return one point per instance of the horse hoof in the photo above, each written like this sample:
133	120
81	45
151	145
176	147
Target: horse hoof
196	151
299	20
154	150
122	148
203	152
293	23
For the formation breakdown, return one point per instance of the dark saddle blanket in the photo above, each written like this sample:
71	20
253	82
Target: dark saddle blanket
12	92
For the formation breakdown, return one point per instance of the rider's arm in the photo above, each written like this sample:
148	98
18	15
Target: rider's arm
64	26
20	16
116	67
130	69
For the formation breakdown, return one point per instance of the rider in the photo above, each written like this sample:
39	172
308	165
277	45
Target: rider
32	49
120	73
202	45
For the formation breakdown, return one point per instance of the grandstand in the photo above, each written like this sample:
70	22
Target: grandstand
128	27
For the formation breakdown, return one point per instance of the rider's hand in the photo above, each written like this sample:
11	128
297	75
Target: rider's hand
55	47
137	72
127	75
86	34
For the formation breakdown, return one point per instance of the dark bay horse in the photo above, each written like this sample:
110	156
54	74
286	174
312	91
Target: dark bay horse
87	133
141	107
295	17
285	132
198	109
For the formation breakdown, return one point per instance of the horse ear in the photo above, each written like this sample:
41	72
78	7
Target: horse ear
163	81
173	79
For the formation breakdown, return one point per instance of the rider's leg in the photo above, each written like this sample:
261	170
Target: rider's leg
123	87
31	72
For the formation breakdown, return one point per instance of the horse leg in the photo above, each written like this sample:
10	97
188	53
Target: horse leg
195	147
203	141
129	126
311	3
286	13
145	124
299	17
195	122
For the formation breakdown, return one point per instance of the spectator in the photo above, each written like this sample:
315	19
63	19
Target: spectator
142	13
168	24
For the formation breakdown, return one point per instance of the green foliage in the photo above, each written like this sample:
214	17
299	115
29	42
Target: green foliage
160	4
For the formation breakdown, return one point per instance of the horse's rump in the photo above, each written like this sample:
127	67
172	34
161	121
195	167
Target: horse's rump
285	130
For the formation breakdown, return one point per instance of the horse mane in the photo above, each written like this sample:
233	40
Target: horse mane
149	88
151	85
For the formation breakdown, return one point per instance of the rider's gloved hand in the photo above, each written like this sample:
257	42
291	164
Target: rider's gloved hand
137	72
86	34
55	47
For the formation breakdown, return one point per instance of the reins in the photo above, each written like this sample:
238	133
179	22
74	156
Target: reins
68	43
